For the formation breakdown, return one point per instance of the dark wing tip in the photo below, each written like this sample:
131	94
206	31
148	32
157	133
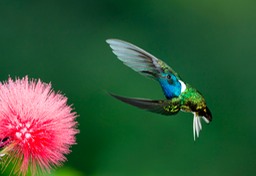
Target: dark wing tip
138	102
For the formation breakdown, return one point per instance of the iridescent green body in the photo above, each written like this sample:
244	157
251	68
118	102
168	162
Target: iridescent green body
191	100
188	101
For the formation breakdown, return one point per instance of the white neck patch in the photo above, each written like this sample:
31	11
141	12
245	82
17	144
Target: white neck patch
183	86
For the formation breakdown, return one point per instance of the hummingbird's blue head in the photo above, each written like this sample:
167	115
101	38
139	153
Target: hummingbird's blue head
170	85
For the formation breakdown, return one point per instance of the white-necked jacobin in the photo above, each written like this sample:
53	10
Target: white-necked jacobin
179	95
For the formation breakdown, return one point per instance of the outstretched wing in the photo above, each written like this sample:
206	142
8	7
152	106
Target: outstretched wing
165	107
138	59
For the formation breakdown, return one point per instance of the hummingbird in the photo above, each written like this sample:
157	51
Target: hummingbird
179	95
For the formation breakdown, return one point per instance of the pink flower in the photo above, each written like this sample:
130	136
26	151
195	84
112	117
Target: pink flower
37	127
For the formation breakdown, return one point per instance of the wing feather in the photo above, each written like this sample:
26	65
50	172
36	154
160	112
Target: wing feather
138	59
165	107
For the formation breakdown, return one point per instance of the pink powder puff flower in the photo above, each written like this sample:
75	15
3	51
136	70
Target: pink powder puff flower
37	127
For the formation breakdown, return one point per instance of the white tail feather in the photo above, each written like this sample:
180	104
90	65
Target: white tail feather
197	126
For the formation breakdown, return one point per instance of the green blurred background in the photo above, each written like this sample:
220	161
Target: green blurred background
211	44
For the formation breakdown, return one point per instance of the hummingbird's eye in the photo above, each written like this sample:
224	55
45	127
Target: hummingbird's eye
169	79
